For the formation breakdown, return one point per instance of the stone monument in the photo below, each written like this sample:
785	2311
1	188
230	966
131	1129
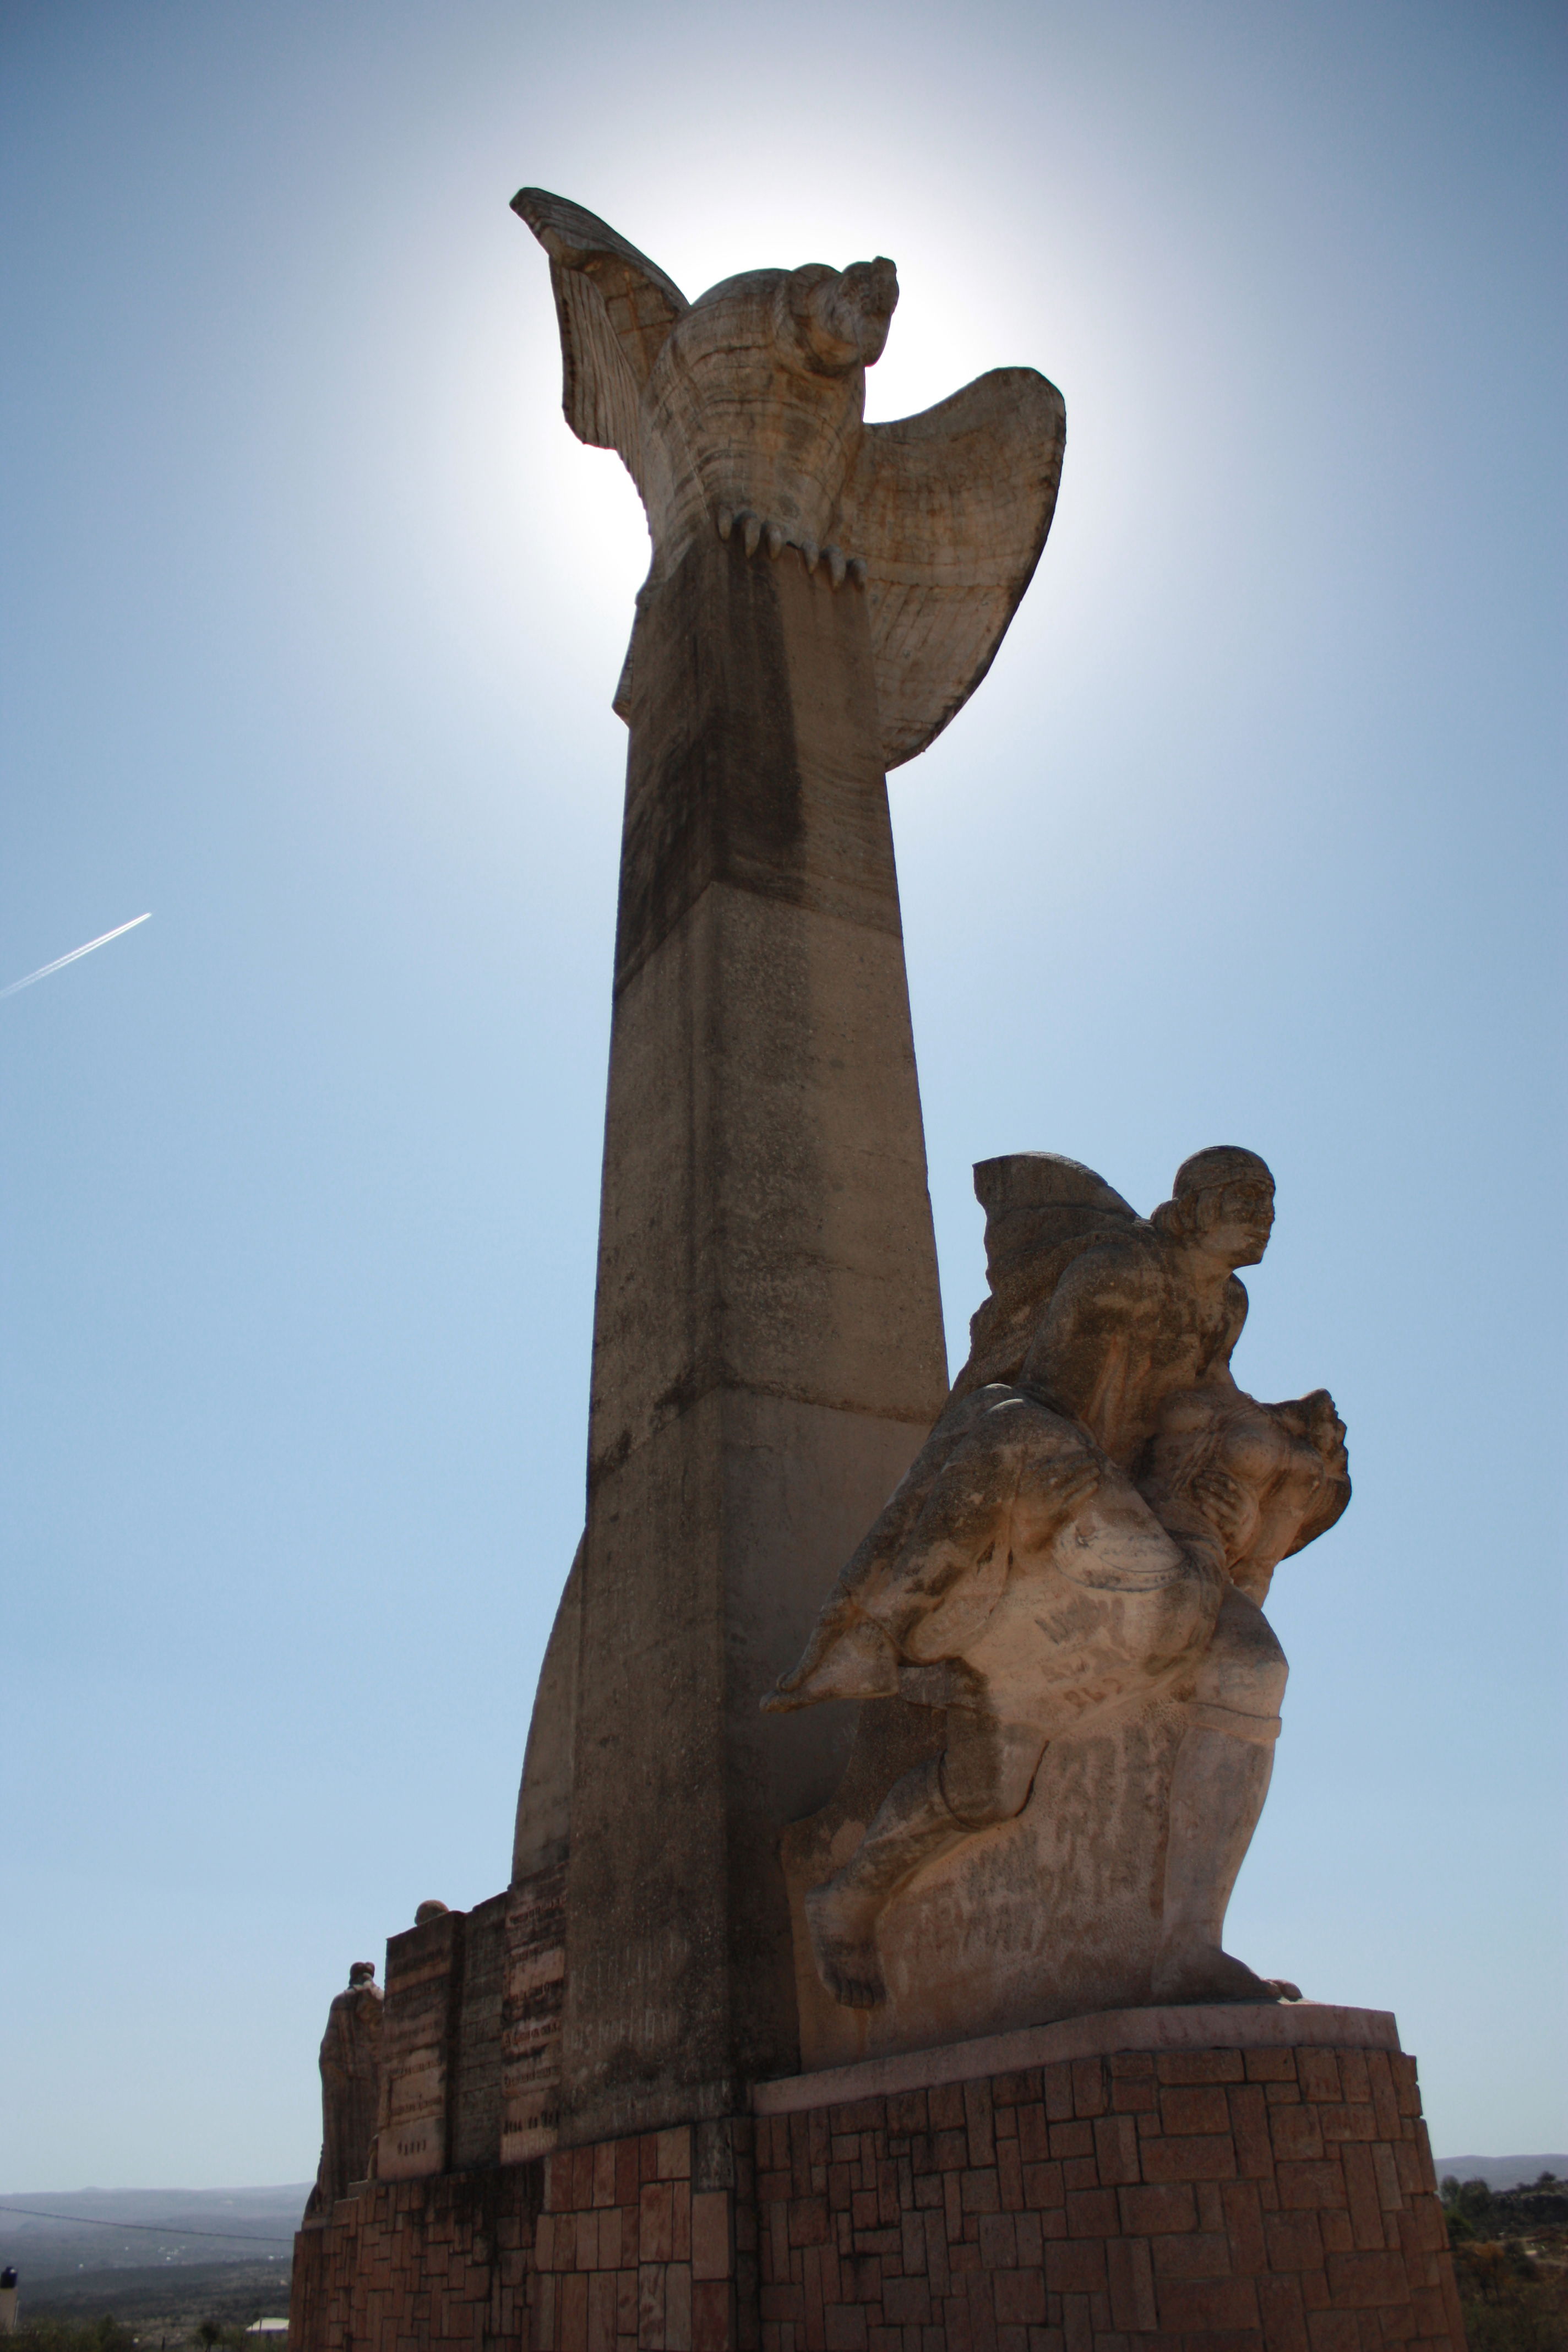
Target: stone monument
801	2024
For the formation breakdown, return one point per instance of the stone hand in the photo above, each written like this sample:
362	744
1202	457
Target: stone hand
1225	1503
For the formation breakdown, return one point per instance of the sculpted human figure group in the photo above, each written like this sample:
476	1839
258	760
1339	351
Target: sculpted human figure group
1096	1516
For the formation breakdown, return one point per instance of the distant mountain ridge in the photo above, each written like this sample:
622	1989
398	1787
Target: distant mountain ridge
61	2233
252	2202
170	2227
1500	2171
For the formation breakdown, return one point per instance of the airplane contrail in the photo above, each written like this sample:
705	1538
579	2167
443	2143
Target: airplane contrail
60	961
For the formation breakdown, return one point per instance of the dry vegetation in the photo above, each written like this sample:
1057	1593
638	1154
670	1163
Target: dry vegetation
1511	2258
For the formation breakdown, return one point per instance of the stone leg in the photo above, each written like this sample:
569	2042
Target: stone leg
1223	1769
984	1777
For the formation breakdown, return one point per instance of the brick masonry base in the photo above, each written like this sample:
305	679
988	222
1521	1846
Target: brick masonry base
1255	2200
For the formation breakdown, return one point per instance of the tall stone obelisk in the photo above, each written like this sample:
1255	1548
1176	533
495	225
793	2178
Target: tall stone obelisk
767	1345
768	1350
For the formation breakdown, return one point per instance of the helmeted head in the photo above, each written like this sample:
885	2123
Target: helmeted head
360	1972
1222	1197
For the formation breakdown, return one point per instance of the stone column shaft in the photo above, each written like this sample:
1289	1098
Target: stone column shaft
768	1350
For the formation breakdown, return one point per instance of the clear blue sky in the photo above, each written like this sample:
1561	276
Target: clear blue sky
311	617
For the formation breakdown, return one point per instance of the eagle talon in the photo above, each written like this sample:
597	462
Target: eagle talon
836	566
811	555
857	568
776	539
751	530
725	521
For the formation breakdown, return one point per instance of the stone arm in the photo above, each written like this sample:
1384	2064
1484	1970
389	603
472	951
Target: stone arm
1191	1476
1108	1329
1079	1357
1200	1504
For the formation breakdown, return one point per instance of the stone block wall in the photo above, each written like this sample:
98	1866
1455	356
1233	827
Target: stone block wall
1217	2200
637	2245
625	2245
409	2263
1220	2199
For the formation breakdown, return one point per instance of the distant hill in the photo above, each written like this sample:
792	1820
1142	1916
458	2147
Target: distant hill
55	2235
1500	2171
161	2304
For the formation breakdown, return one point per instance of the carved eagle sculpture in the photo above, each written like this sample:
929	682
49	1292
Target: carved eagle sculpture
743	412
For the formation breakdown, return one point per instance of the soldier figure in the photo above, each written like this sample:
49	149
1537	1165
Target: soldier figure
350	2086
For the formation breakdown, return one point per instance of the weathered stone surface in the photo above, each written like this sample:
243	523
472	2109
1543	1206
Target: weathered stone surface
424	1989
767	1342
474	2128
1069	1581
533	1990
351	2085
543	1836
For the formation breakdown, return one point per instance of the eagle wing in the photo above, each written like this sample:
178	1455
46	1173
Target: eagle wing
950	511
1042	1210
616	308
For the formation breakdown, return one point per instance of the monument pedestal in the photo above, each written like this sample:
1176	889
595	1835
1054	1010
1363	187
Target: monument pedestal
1222	2180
